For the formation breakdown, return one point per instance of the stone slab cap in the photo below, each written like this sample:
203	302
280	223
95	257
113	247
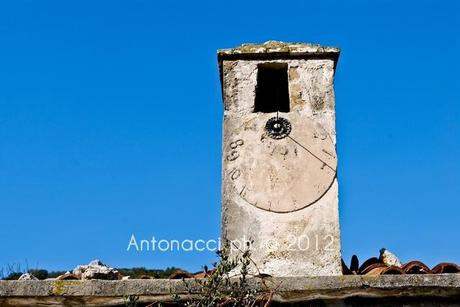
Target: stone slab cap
277	49
285	290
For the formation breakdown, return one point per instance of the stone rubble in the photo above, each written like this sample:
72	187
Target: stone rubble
67	276
27	276
389	258
96	270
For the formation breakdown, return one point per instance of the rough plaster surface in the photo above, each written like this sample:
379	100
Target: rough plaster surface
302	240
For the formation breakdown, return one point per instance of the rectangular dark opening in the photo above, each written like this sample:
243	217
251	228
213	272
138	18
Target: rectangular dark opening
272	90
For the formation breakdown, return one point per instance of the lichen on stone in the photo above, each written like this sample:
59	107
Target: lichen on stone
278	47
58	287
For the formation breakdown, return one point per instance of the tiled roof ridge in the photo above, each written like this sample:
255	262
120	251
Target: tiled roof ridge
376	266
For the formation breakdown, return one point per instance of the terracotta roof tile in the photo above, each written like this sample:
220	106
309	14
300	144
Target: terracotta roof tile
179	274
446	267
416	267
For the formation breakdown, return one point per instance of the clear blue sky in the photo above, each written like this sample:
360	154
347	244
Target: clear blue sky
110	124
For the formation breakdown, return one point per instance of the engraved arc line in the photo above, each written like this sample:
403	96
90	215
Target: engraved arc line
311	153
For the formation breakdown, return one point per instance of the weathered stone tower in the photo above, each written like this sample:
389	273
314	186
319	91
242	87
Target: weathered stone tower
279	159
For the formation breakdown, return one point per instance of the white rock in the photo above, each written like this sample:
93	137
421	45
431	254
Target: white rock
96	270
389	258
27	276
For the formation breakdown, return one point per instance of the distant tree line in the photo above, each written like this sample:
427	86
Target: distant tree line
10	273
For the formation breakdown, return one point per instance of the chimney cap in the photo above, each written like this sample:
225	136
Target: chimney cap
277	49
